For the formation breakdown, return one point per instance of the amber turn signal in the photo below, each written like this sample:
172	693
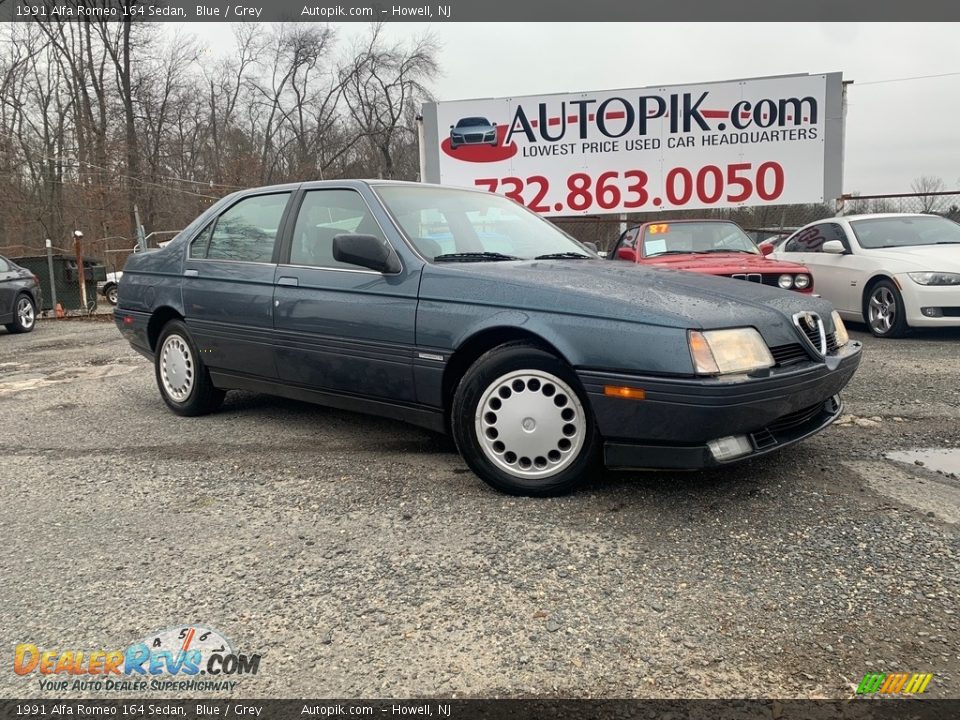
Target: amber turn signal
628	393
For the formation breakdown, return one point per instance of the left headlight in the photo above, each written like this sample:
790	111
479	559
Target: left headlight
720	352
840	330
935	278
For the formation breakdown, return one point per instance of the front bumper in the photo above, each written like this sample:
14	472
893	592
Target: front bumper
945	299
671	427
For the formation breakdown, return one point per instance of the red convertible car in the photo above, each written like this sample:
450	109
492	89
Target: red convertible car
713	247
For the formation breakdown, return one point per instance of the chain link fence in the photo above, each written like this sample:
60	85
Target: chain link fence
102	256
59	276
945	204
762	223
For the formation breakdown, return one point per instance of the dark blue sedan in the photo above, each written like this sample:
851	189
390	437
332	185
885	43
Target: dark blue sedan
463	312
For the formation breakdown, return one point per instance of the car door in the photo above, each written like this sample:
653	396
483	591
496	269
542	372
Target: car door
340	327
831	271
228	285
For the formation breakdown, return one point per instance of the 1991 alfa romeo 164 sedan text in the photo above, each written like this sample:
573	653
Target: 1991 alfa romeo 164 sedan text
462	311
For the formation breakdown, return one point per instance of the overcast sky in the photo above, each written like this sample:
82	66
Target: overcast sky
895	130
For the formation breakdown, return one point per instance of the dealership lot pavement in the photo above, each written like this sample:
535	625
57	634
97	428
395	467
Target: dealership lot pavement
362	559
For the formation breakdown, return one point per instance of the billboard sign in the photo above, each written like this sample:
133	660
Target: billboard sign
762	141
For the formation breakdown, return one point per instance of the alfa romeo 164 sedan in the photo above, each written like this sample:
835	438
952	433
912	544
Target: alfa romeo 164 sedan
463	312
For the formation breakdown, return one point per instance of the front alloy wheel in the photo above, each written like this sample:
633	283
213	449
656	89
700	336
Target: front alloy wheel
111	294
885	311
530	424
522	425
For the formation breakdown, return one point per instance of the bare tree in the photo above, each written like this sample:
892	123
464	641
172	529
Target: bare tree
925	186
382	87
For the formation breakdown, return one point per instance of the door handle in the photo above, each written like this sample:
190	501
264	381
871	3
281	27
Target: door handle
288	281
191	273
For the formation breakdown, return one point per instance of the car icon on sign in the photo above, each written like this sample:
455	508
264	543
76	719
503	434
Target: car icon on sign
473	131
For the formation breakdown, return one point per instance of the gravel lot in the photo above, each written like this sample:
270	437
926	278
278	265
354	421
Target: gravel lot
363	559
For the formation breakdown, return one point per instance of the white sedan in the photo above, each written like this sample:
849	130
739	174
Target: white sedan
892	271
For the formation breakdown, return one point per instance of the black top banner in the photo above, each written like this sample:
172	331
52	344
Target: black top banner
478	11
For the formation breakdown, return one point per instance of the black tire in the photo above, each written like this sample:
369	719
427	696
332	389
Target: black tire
24	315
525	366
181	361
884	311
110	293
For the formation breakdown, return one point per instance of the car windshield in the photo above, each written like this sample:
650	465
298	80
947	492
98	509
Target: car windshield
472	122
873	233
471	226
695	237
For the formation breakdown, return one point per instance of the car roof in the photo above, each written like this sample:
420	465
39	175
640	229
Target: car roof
350	183
876	216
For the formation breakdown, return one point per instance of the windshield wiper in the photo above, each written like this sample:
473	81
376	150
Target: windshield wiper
720	250
473	257
563	256
947	242
672	252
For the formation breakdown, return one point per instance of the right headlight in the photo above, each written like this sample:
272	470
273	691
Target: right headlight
840	330
785	281
802	282
720	352
935	278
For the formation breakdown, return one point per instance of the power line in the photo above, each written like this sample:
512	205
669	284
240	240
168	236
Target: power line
905	79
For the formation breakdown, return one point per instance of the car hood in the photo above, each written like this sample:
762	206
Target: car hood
725	263
622	291
940	258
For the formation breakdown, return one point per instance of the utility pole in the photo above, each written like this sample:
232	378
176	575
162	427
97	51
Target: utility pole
53	280
141	240
81	274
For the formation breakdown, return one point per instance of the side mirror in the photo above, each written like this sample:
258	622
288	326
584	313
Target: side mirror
628	254
366	251
494	124
451	127
591	246
765	249
834	247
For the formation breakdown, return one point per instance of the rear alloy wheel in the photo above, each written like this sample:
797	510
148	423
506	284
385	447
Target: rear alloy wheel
884	311
24	315
521	425
181	376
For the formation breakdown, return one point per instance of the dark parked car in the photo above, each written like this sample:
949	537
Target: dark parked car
19	297
473	131
541	359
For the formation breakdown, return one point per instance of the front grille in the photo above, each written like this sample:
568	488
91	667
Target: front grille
750	277
951	311
789	354
831	343
813	335
474	137
794	419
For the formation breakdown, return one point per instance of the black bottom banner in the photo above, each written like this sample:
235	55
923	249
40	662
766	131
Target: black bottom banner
477	709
